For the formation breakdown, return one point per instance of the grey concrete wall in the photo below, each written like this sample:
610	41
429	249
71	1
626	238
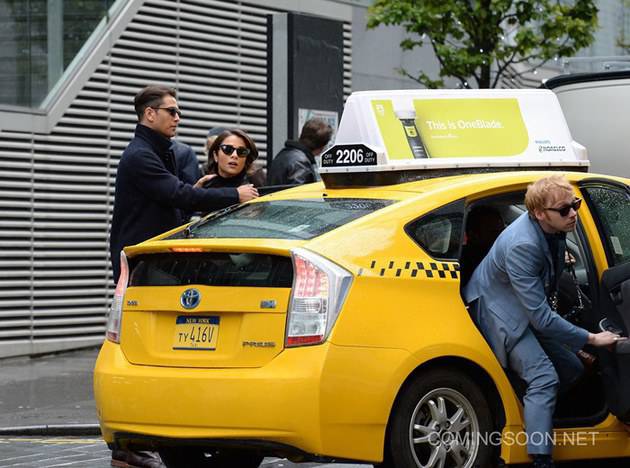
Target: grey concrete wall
376	54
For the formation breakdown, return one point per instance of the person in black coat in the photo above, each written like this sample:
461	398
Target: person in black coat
295	163
149	196
213	133
230	159
188	170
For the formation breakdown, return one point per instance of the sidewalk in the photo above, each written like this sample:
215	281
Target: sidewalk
52	396
49	395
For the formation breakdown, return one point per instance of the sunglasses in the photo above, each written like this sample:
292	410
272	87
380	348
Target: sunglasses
566	209
171	110
241	151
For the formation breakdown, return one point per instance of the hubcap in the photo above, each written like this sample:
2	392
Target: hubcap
444	430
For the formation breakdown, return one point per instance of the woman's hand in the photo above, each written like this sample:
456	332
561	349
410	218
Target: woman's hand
247	192
201	182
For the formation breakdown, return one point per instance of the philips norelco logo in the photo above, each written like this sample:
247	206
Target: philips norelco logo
545	146
190	298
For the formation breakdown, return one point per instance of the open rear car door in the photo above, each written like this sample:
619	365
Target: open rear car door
609	204
615	301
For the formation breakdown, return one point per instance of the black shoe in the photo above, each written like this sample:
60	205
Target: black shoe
133	459
543	461
119	458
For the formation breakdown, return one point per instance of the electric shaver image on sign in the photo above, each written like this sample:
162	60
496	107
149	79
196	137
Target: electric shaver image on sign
408	120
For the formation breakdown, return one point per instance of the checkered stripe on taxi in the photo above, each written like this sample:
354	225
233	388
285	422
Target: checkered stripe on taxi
412	269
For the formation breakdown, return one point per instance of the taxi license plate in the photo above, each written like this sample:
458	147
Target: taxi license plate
198	333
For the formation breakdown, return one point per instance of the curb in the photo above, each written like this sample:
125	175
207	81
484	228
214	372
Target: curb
52	430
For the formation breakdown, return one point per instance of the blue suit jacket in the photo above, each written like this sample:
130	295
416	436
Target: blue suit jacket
510	285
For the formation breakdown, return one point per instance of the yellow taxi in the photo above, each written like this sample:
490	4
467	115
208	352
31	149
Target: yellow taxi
326	322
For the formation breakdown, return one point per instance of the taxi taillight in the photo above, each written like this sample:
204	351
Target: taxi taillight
319	290
115	311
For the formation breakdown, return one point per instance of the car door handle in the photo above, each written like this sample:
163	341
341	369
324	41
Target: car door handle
616	296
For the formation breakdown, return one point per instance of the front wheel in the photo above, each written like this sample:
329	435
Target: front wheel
442	420
189	457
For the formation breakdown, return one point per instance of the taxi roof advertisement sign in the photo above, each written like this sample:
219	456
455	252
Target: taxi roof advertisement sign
454	128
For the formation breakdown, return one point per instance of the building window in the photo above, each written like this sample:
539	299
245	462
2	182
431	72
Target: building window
40	38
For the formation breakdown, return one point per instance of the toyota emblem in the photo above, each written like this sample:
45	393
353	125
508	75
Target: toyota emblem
190	298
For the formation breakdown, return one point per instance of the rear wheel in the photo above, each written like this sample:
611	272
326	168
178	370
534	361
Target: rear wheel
188	457
441	420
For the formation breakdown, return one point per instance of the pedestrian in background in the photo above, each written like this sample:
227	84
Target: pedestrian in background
187	169
187	163
213	133
295	164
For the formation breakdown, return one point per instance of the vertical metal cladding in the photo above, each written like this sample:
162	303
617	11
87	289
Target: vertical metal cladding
58	188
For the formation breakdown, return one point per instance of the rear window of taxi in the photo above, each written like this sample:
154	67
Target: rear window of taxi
282	219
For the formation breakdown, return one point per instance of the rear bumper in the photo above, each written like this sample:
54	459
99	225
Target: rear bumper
332	401
263	447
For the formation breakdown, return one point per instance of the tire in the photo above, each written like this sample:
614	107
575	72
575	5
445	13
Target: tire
449	418
194	457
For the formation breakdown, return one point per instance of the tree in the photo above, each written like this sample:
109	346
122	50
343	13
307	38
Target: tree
486	39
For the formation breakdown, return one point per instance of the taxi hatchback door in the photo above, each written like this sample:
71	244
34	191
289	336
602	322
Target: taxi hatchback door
609	203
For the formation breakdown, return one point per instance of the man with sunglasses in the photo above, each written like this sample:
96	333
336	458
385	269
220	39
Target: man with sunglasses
150	198
508	300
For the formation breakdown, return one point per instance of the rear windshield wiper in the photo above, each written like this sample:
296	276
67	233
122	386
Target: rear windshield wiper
188	232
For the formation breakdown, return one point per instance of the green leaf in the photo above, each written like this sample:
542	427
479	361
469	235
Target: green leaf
469	37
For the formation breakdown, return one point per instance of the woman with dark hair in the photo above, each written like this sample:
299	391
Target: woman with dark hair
230	159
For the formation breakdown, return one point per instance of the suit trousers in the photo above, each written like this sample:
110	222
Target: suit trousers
547	367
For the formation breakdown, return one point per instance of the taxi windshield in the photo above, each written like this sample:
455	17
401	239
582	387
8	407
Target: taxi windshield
282	219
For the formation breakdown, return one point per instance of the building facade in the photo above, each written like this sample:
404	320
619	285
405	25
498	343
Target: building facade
70	71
